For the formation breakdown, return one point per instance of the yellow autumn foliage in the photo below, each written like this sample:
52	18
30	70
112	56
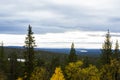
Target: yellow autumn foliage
110	71
90	73
19	78
75	71
39	73
58	75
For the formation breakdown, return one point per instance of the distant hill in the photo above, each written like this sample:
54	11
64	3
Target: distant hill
13	46
79	51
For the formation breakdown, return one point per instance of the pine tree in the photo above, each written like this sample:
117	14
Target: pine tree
2	56
55	62
106	50
1	51
72	56
116	51
3	59
58	75
29	53
3	66
13	66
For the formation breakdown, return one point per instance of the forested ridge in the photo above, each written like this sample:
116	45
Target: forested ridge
44	65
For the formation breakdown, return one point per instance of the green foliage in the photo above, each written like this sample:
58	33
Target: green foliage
110	71
115	65
106	55
86	62
106	72
72	56
29	53
2	76
40	62
55	62
116	54
90	73
58	75
39	73
72	70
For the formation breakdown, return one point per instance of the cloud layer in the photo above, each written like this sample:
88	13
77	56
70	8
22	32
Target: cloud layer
56	16
81	39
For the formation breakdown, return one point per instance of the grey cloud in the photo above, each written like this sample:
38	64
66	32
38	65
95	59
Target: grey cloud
47	29
73	18
114	19
11	30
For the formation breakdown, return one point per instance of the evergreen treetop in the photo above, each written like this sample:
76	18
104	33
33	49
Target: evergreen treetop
29	53
106	49
72	56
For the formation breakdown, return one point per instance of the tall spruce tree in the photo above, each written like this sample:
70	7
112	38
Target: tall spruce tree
116	51
13	66
29	53
2	51
106	50
72	56
3	58
3	62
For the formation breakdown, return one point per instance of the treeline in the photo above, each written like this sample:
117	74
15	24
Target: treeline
68	67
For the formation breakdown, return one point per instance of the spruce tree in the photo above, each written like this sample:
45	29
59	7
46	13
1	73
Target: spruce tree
55	62
116	51
2	51
13	66
29	53
2	56
72	56
106	50
3	59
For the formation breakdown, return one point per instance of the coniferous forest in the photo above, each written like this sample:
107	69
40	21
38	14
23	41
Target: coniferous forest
28	63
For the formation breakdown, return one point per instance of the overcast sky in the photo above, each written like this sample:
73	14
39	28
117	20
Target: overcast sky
60	17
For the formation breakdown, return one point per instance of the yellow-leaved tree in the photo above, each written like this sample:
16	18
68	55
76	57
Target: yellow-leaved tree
39	73
58	75
73	70
90	73
19	78
111	71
